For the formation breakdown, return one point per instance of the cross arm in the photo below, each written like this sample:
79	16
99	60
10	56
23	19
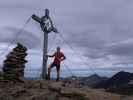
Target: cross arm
36	18
39	20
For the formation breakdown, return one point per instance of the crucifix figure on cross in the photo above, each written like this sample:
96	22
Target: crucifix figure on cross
47	26
45	22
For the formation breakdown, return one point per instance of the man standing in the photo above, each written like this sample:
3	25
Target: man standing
58	58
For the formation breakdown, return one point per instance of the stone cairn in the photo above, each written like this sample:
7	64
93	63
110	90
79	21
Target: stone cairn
13	68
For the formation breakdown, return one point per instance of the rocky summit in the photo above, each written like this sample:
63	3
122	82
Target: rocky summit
51	90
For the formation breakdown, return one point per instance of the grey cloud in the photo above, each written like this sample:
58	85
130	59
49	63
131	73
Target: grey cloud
90	24
121	52
124	48
26	38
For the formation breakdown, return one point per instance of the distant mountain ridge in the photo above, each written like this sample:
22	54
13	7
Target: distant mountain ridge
89	81
117	80
92	80
122	82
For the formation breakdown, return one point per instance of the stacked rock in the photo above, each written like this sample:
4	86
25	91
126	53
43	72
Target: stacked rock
13	68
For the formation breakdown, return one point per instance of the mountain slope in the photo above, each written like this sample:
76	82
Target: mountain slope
119	83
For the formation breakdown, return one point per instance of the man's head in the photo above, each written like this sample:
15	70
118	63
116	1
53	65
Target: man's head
47	12
58	49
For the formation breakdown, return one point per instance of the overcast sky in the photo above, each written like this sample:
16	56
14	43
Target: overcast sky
100	31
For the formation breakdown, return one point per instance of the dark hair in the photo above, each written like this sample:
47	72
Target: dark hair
58	47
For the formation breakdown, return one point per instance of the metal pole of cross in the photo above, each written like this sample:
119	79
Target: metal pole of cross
47	26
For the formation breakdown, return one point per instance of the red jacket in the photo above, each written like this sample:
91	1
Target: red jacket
58	56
